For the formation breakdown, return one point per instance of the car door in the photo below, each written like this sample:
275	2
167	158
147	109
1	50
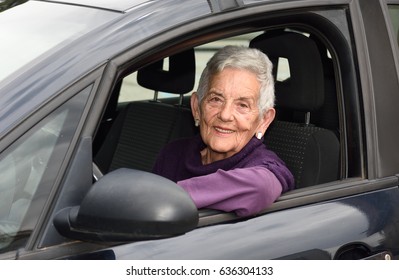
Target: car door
352	217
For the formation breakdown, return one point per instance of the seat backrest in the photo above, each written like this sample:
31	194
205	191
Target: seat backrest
142	128
311	152
327	115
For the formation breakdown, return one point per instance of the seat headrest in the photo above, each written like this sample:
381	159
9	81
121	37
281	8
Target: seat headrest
304	89
179	78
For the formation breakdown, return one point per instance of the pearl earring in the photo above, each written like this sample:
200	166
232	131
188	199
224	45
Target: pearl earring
259	135
197	122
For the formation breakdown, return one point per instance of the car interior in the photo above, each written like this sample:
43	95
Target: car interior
305	132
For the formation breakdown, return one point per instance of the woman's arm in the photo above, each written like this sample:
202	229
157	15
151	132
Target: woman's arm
246	191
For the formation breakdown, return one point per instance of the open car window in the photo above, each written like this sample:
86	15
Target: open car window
147	110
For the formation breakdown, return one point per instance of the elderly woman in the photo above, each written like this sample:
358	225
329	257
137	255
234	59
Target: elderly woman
227	167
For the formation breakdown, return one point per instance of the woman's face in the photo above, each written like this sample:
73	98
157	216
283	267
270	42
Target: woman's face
229	114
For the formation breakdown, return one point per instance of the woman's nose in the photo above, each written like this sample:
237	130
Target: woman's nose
226	112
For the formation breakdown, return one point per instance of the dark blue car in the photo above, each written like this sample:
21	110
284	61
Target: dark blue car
91	90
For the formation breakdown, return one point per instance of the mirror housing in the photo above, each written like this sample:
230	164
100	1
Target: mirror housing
126	205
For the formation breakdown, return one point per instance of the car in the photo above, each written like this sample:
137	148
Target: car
91	90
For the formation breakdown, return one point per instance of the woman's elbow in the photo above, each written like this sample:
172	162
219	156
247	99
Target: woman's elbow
261	198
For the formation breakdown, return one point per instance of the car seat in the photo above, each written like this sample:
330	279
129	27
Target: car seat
142	128
310	152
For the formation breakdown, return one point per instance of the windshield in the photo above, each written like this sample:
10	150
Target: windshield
34	28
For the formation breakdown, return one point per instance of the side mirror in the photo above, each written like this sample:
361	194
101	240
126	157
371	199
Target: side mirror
126	205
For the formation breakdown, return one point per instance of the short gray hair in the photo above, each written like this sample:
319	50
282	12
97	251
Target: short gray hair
240	57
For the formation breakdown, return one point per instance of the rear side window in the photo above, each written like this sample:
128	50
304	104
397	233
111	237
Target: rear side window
132	91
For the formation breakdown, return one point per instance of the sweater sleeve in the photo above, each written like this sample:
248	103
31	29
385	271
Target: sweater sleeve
246	191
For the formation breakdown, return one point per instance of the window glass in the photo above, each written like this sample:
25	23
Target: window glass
283	69
131	91
29	168
394	13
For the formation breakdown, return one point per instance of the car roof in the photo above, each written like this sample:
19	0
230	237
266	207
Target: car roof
115	5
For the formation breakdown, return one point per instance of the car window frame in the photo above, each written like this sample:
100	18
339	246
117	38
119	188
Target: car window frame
394	35
133	59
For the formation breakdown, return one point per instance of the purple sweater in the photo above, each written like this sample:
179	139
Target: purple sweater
245	183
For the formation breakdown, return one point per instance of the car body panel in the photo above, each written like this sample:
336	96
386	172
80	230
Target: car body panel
118	5
380	92
348	224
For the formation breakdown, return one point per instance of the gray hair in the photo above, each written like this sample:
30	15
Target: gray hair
240	57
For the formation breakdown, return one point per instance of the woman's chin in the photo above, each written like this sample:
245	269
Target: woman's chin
223	147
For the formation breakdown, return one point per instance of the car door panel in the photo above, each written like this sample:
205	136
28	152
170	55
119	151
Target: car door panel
370	219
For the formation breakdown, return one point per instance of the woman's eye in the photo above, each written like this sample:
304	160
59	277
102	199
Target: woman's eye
215	99
243	106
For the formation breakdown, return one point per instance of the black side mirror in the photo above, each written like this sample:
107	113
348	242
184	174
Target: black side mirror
126	205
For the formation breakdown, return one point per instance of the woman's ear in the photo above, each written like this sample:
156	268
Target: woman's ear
195	106
266	120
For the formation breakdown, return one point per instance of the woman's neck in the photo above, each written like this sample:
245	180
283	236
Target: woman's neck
208	156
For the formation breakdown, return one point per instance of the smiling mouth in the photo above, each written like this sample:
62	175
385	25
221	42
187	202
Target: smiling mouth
224	131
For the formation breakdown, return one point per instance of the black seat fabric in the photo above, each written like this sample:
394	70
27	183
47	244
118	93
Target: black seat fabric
142	128
327	115
311	152
303	90
138	133
178	79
